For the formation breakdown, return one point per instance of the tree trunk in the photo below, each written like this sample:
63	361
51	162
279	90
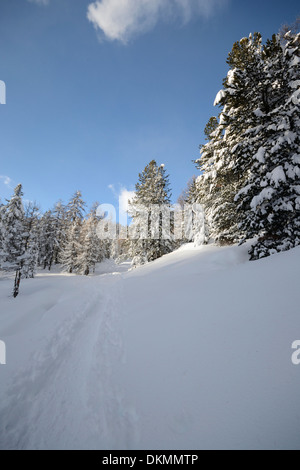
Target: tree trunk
17	283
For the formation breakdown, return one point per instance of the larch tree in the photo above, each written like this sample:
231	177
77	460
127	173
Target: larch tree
14	235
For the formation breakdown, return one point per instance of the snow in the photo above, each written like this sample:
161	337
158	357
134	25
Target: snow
231	77
192	351
296	159
258	113
295	61
219	97
266	194
296	97
277	176
260	155
295	84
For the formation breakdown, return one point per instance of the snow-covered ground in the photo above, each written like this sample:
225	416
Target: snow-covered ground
192	351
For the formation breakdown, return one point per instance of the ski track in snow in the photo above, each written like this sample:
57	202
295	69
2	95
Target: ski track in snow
192	351
70	375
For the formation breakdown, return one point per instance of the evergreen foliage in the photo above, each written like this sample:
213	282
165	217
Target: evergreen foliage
151	231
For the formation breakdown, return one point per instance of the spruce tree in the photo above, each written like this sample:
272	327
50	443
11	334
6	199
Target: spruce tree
72	249
60	230
192	216
269	203
151	230
91	250
222	177
73	242
47	240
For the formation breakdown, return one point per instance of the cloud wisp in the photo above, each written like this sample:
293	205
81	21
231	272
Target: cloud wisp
40	2
7	181
123	196
121	20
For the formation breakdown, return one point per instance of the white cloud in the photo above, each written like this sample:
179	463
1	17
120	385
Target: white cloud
122	19
6	180
124	197
39	2
113	190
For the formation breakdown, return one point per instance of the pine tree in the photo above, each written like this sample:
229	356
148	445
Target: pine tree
14	235
191	215
92	249
195	217
151	230
72	249
72	246
222	177
76	208
47	240
269	202
253	149
2	212
216	188
60	229
31	241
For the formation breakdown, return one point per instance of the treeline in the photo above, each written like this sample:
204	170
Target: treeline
65	235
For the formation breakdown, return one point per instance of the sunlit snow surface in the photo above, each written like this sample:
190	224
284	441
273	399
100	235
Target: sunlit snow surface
192	351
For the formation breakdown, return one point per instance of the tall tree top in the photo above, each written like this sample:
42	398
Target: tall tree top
153	186
76	207
18	190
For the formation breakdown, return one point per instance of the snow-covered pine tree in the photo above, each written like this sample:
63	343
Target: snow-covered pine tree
151	230
47	240
92	249
193	219
31	224
2	211
269	203
76	208
221	177
216	188
183	219
60	229
72	249
72	246
14	237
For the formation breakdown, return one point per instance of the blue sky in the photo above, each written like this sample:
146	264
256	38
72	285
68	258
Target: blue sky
95	90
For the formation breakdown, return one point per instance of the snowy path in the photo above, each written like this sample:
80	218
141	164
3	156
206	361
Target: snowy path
190	352
64	397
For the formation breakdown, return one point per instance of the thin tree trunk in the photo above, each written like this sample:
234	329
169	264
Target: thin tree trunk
17	283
